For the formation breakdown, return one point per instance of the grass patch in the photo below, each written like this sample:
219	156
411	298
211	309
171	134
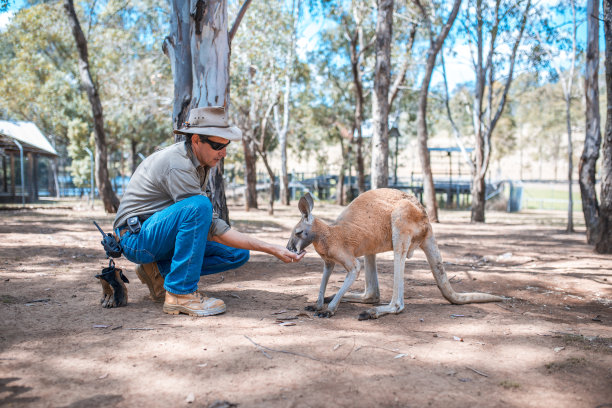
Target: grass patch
8	299
510	385
568	364
596	343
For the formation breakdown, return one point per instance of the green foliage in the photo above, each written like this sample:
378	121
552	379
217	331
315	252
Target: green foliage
257	80
38	69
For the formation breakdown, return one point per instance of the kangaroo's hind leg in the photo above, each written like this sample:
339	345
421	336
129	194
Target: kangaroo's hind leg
371	294
401	246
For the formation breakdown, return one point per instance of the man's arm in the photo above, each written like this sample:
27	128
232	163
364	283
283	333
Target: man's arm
236	239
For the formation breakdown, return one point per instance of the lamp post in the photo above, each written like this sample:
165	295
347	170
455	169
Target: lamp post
91	177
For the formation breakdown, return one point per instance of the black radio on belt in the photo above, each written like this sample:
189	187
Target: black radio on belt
133	224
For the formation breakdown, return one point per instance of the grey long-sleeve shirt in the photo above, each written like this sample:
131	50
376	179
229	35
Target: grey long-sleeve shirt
162	179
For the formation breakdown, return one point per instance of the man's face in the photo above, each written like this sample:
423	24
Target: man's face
204	152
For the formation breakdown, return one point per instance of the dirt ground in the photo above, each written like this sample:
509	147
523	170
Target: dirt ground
550	344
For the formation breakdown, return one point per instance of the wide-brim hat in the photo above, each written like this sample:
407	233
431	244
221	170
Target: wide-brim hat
210	121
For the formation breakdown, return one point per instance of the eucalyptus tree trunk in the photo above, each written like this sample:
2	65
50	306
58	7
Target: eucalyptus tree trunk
604	244
592	137
379	173
346	149
485	114
105	188
285	193
567	93
199	50
250	149
357	49
434	48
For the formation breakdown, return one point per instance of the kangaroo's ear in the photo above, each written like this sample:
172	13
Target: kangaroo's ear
308	198
305	205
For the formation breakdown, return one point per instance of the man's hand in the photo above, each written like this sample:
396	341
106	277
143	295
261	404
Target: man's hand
286	255
238	239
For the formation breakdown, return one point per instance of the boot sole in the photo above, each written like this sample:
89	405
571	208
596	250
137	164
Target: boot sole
175	309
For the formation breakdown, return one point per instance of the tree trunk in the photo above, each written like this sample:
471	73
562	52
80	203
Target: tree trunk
604	244
271	188
177	48
486	121
432	54
250	171
570	166
133	155
199	51
108	196
285	193
592	138
249	149
340	184
357	49
379	173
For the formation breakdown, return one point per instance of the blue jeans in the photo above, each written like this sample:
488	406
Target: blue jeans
175	238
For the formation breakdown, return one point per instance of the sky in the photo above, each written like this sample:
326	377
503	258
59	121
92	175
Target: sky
458	67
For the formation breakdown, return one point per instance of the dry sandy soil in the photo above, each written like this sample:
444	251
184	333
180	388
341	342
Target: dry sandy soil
550	344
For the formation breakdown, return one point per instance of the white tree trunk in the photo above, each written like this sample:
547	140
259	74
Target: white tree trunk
592	137
379	174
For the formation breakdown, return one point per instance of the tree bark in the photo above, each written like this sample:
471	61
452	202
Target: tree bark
177	48
432	54
199	51
249	149
285	193
250	171
379	173
604	244
357	50
592	137
108	196
485	121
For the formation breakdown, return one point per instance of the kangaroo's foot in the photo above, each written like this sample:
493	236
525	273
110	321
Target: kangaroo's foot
376	312
324	313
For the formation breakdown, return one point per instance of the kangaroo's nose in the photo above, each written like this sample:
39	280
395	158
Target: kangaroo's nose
291	246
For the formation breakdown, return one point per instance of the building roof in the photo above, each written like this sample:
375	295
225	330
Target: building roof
26	133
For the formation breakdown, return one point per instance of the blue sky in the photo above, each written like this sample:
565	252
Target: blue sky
457	67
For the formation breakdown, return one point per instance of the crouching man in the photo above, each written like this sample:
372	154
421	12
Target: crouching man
166	223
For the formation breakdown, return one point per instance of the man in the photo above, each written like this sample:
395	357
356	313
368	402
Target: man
167	225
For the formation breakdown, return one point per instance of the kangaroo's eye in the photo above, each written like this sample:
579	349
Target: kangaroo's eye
298	232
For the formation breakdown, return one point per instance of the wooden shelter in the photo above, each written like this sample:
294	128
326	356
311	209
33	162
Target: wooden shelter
22	144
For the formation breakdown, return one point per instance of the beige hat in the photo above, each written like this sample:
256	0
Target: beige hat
210	121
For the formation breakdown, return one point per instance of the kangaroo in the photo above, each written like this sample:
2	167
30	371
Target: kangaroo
377	221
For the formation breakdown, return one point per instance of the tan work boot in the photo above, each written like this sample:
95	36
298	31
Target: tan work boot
193	304
150	276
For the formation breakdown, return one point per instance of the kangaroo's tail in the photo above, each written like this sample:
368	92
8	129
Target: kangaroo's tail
434	258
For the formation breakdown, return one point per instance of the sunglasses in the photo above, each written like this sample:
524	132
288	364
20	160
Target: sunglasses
216	145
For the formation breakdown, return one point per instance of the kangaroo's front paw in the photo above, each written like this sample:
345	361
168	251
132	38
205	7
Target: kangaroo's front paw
324	314
367	315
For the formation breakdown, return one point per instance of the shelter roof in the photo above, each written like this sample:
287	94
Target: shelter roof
448	149
26	133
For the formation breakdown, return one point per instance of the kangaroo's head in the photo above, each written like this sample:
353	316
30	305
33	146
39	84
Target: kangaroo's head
302	234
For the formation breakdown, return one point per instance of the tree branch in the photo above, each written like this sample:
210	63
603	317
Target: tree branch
401	76
238	19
